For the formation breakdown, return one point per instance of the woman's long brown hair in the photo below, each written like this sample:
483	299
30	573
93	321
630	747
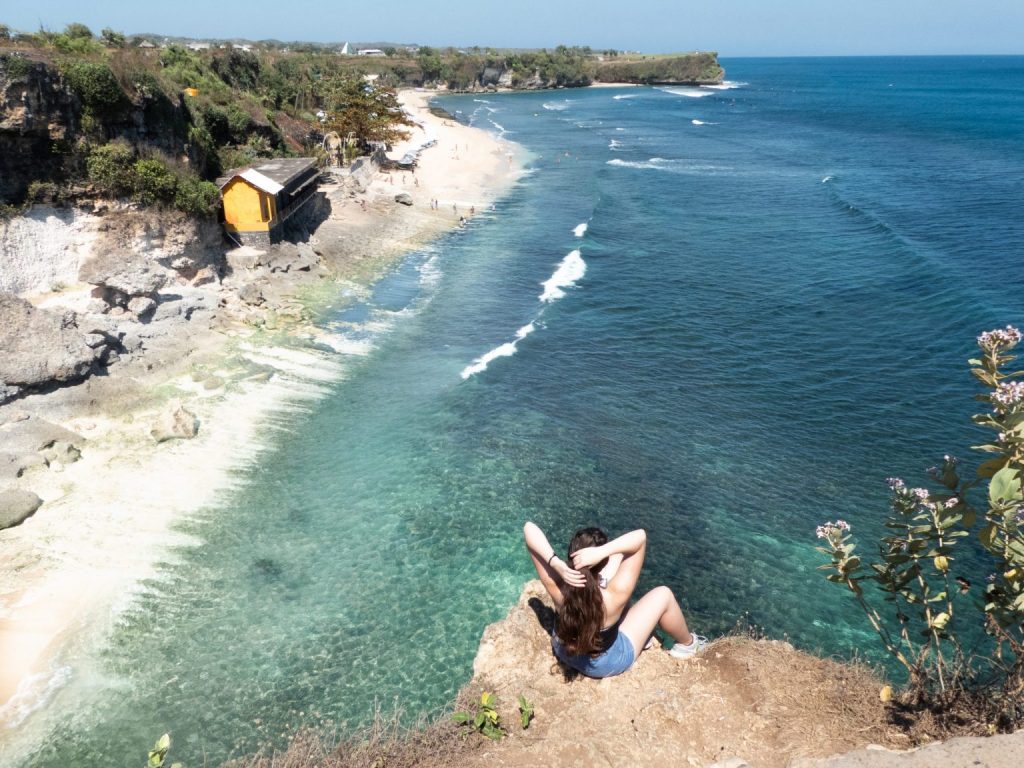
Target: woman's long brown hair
582	613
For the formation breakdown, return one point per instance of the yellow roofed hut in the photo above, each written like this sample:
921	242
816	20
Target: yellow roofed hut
260	198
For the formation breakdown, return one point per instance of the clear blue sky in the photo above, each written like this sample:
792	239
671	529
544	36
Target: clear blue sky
732	27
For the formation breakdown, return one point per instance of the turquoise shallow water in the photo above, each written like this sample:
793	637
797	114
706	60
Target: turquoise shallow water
781	282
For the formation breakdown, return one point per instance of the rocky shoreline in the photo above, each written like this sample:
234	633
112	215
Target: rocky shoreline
142	355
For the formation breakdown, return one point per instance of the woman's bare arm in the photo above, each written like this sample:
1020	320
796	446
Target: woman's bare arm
553	571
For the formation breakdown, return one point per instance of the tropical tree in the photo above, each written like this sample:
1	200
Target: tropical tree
367	112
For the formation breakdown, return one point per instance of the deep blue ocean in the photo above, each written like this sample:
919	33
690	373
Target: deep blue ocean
768	312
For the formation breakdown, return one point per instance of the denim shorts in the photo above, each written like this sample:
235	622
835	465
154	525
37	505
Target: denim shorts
614	661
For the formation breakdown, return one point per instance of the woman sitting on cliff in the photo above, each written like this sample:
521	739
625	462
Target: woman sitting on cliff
597	631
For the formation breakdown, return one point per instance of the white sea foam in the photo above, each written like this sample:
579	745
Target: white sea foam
557	106
614	144
624	96
502	350
827	179
620	129
579	229
34	692
430	272
727	85
481	101
525	331
670	166
702	122
693	93
569	270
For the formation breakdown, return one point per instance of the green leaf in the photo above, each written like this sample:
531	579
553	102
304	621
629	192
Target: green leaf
988	536
479	720
159	751
988	448
1004	486
461	717
1016	547
988	468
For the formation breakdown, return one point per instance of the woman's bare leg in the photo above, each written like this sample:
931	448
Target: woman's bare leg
658	608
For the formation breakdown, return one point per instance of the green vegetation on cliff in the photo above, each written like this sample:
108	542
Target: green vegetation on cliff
175	117
691	68
156	125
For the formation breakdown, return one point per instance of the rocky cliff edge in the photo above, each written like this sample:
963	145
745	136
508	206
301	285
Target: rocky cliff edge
760	703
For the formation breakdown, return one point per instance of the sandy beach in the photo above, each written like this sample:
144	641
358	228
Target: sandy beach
106	520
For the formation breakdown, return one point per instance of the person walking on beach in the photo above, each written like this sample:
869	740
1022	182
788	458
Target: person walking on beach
597	631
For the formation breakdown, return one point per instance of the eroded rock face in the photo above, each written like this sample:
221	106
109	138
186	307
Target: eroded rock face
124	273
40	347
37	110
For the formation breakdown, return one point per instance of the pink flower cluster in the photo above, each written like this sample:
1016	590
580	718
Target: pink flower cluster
895	483
1008	394
999	338
826	529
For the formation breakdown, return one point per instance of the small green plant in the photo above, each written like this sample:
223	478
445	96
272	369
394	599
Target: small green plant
485	721
42	192
196	197
109	167
525	711
158	754
97	87
153	181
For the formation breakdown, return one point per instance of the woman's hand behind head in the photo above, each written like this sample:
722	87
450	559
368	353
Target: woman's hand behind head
588	556
570	577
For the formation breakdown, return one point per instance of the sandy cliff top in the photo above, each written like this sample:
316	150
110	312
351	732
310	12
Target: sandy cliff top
760	700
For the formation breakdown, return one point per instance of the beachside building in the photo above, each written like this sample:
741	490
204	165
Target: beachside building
371	52
260	198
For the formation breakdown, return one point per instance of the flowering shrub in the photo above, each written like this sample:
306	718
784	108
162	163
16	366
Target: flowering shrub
913	567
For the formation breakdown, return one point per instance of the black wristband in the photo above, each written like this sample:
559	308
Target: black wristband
553	556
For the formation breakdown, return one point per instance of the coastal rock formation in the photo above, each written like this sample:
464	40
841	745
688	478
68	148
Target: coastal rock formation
13	465
177	242
122	275
176	422
404	198
37	111
43	247
16	506
759	701
40	347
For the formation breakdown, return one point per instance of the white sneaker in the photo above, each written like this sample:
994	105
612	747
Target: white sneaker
680	651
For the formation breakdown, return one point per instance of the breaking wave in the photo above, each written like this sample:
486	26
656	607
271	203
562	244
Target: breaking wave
502	350
569	270
693	93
